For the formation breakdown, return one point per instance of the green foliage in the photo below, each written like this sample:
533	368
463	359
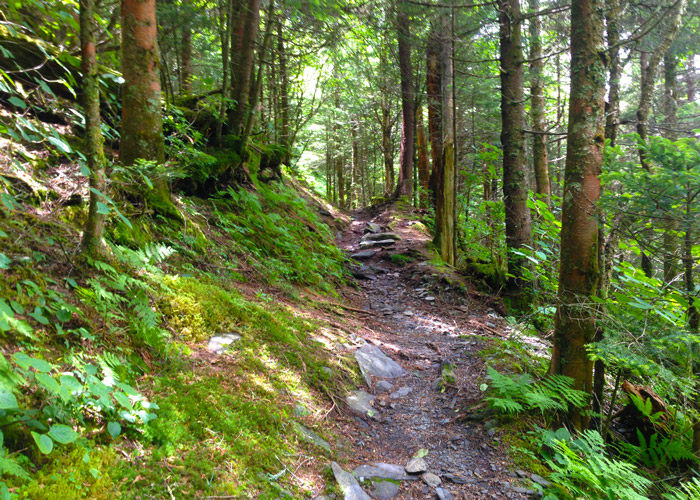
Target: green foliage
282	238
517	394
582	469
689	490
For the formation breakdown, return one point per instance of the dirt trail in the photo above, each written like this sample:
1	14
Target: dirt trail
421	317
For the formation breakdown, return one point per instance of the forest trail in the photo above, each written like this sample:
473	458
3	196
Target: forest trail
423	319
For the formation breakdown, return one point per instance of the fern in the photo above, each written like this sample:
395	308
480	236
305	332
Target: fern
689	490
11	467
553	393
582	469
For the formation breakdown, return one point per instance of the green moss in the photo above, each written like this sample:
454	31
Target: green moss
69	477
401	259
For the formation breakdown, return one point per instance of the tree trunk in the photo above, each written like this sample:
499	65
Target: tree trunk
142	121
612	19
408	116
670	240
92	243
387	148
244	70
423	161
579	272
649	77
537	108
186	57
284	91
434	91
515	186
226	34
690	80
445	192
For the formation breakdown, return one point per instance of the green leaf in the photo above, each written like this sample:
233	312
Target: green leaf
16	101
60	144
63	315
71	383
4	261
48	382
102	208
63	434
114	429
39	365
17	307
7	400
43	442
38	315
123	400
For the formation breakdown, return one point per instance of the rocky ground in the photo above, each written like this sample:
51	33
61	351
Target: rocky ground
420	356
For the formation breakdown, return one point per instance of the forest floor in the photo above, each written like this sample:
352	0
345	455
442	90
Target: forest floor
423	316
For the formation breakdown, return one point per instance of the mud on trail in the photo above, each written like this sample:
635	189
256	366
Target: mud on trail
427	320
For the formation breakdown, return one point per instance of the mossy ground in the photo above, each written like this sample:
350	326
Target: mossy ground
242	263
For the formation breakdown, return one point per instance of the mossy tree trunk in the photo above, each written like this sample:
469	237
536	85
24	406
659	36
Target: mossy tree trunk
434	91
445	187
92	243
423	161
537	108
515	185
408	116
579	271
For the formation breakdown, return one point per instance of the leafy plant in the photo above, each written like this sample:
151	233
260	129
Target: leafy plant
582	469
521	393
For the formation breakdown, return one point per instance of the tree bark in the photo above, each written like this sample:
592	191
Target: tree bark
670	240
244	70
186	57
612	21
445	192
284	91
408	116
579	271
537	108
434	91
92	242
423	161
649	77
515	186
142	121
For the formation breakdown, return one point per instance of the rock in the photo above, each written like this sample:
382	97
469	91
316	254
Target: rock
443	494
416	466
384	490
220	343
300	410
373	361
383	471
431	479
429	298
457	479
408	312
348	484
381	243
384	386
381	237
525	491
540	480
361	402
324	212
363	273
365	254
401	392
311	437
373	227
327	370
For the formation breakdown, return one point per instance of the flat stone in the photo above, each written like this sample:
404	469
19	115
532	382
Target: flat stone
457	479
220	343
525	491
384	490
365	254
381	236
311	437
540	480
416	466
443	494
373	227
348	484
300	410
383	471
384	386
401	392
431	479
381	243
373	361
361	402
429	298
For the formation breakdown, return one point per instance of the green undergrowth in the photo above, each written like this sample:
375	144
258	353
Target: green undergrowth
106	387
